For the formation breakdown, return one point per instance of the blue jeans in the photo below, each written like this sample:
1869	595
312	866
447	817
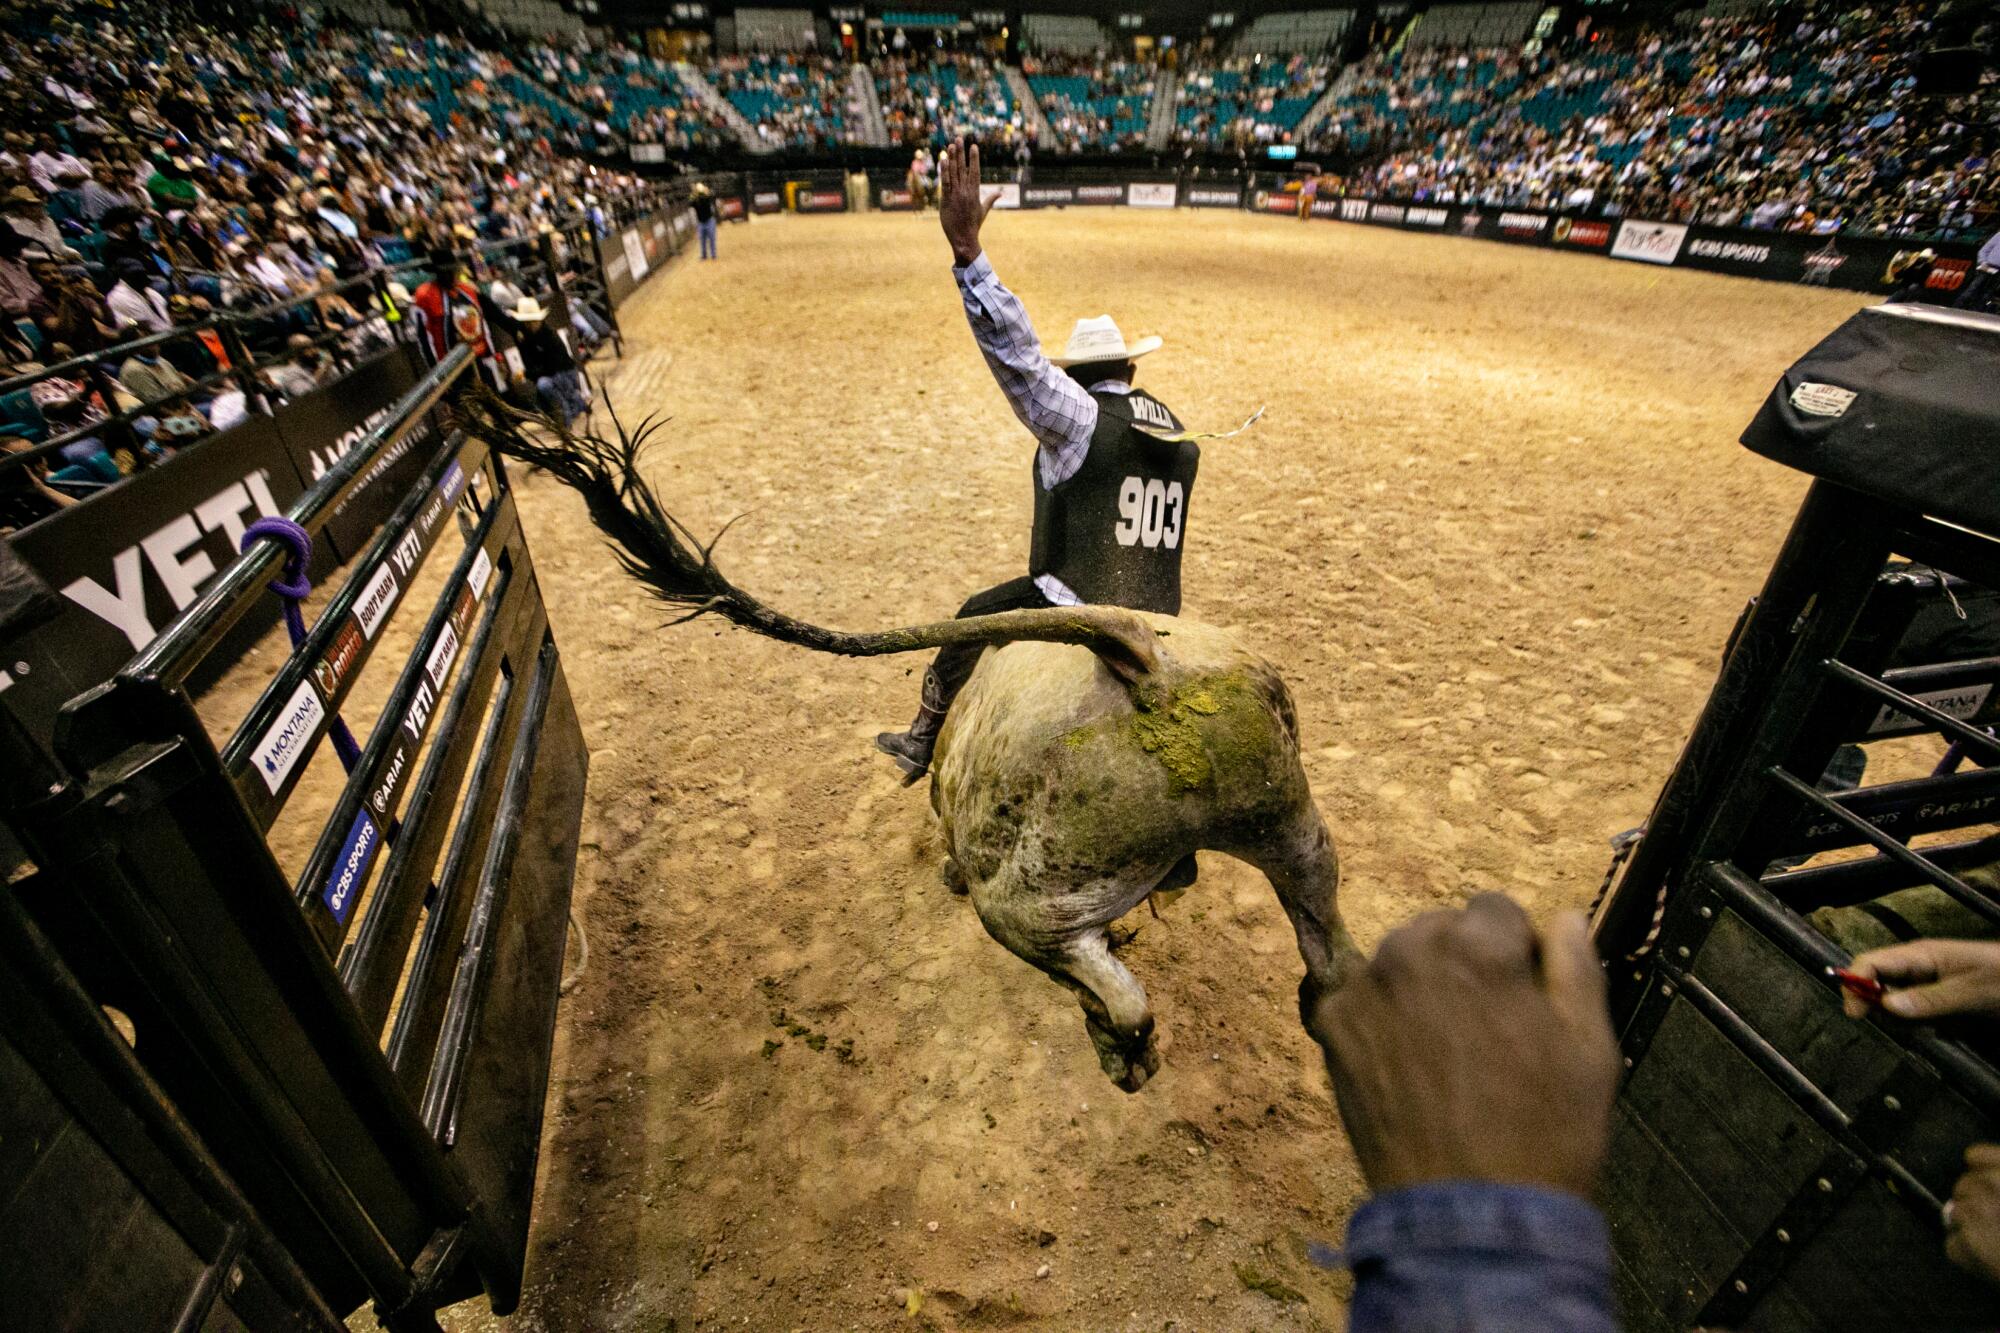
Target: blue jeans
564	395
707	230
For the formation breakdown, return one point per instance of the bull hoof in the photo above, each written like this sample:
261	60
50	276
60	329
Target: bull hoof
1128	1063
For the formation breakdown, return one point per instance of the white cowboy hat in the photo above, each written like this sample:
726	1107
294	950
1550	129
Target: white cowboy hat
530	311
1099	340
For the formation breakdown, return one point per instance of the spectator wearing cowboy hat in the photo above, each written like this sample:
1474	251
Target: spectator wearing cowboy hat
546	362
27	215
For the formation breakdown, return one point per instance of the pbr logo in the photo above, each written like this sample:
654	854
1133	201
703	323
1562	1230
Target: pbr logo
1470	222
1822	264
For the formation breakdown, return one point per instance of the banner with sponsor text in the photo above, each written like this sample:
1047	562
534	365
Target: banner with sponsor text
1856	263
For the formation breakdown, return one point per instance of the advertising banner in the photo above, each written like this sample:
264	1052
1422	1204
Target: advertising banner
729	207
766	201
319	428
1099	194
1275	201
1215	196
806	199
635	254
1046	196
893	199
1147	194
1648	242
618	280
1009	196
1857	263
1582	233
128	561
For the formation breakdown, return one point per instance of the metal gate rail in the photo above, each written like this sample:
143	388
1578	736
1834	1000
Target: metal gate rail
404	1177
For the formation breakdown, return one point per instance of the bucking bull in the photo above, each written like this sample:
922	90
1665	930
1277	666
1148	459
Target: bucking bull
1069	784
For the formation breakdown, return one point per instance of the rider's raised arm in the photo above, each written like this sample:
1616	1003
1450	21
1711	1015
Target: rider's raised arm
1051	405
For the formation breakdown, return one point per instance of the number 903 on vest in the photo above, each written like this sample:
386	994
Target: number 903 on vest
1150	512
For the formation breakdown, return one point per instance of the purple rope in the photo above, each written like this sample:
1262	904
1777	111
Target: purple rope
292	587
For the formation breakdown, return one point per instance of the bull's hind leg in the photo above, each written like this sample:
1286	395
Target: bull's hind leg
1299	860
1115	1010
1062	931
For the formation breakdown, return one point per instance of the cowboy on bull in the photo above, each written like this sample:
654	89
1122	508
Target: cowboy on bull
1113	476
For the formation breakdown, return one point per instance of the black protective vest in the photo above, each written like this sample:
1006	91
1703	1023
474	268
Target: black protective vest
1113	532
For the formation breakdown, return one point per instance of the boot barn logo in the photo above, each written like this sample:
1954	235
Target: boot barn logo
1571	231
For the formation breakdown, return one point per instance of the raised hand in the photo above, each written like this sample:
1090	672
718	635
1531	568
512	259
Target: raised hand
961	211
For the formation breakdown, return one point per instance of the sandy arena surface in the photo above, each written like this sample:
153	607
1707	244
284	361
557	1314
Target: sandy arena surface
1493	528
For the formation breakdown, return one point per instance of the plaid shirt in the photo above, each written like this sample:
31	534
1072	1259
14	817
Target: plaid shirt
1058	411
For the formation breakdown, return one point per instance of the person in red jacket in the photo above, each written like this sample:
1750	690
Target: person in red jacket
448	313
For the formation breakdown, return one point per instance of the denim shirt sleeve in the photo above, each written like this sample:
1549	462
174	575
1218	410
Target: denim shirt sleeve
1472	1256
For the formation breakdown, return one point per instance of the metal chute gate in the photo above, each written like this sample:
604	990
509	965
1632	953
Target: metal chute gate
330	1091
1775	1165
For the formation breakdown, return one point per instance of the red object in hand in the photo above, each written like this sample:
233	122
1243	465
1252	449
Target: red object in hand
1866	989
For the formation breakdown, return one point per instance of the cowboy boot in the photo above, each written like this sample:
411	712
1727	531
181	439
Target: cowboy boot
912	749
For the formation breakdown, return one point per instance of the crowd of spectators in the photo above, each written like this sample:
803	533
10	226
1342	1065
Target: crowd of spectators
1248	100
793	101
252	189
1093	103
636	94
1817	126
935	97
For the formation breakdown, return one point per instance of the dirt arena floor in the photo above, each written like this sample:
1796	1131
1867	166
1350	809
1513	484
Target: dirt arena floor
1493	528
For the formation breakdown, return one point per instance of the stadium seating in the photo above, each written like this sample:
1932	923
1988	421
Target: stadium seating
1249	99
1093	104
1474	25
934	97
1069	34
1310	32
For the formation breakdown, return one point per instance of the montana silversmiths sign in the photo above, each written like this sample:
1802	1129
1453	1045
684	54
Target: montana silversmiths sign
1649	242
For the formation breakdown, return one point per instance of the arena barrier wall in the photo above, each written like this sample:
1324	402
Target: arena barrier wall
126	562
1856	263
329	1088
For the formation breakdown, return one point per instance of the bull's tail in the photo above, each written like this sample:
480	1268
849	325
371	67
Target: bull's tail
660	551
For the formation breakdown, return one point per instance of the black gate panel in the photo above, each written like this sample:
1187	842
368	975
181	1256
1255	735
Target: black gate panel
386	1137
1777	1165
